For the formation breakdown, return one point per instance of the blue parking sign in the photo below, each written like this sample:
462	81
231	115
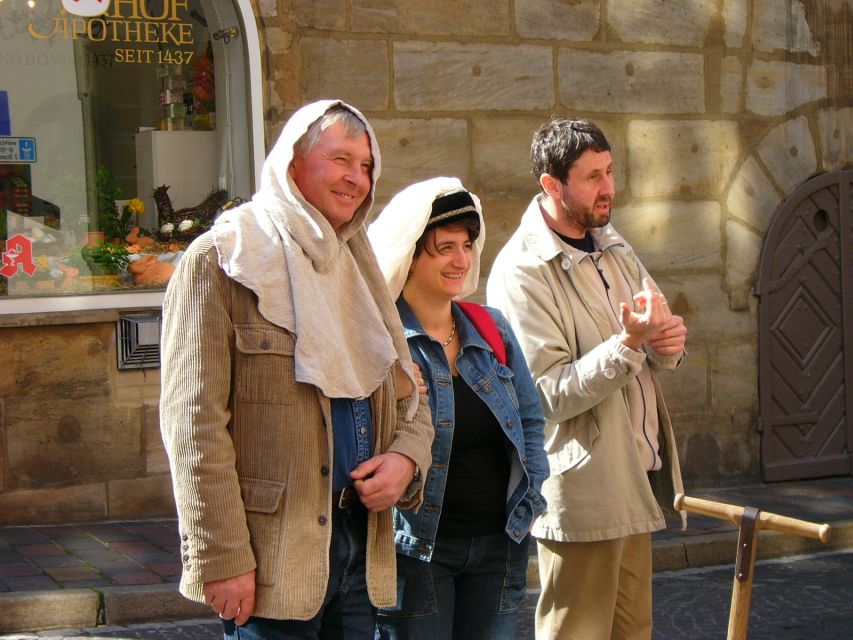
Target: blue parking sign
17	150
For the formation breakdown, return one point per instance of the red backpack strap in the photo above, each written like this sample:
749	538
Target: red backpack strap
486	327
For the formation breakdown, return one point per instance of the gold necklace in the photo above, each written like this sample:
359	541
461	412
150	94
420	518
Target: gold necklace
452	335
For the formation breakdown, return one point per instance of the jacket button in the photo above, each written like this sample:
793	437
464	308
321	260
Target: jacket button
324	470
265	344
487	388
517	532
185	547
185	537
509	423
566	263
322	521
610	373
186	558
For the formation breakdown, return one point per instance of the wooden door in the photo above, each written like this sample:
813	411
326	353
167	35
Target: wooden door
805	288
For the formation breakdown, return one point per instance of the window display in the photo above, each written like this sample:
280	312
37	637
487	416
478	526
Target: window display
110	157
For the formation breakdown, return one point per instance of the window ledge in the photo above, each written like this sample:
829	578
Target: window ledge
53	310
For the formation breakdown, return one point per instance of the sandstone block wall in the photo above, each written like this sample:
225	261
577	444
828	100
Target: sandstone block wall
716	111
79	439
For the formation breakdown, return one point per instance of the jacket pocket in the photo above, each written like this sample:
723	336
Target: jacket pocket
264	365
573	447
262	500
505	375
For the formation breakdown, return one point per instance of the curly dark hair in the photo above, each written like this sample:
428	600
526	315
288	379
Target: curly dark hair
559	143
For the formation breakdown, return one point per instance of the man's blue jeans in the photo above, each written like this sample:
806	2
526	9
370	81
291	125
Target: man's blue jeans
346	613
471	589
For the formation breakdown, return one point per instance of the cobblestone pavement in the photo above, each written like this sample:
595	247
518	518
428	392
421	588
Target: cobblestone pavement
807	598
803	598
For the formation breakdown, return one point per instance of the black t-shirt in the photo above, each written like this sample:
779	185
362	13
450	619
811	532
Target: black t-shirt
583	244
478	472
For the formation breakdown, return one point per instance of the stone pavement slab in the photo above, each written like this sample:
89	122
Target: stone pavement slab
22	611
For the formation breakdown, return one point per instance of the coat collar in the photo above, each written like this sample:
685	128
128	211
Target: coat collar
546	244
468	334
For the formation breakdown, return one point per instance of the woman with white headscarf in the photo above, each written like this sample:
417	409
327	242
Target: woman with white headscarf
462	558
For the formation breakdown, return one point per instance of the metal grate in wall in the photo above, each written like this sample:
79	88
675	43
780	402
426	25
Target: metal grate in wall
138	338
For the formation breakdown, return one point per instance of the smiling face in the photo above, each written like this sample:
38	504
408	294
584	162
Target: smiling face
584	201
438	272
335	176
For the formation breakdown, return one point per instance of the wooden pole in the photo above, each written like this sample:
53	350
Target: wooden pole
747	547
750	521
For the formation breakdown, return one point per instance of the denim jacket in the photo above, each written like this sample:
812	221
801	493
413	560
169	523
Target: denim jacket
509	393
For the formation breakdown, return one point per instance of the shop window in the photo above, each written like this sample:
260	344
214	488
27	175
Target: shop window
114	149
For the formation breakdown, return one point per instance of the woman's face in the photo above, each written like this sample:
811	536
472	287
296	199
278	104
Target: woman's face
438	273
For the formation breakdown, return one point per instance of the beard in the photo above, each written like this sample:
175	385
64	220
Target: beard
578	215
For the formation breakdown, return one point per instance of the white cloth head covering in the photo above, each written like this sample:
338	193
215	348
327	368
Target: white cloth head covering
323	286
396	230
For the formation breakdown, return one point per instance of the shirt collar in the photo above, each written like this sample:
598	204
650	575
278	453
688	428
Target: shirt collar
547	245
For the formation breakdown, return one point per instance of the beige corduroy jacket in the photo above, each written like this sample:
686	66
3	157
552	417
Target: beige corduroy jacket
250	448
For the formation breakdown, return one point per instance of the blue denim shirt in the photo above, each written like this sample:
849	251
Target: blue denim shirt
509	392
352	428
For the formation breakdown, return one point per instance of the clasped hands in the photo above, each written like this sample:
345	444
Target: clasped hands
654	324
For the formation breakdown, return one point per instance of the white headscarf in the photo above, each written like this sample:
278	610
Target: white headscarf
323	286
396	230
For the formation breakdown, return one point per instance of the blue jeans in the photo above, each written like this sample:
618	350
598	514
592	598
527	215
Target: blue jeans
471	589
346	613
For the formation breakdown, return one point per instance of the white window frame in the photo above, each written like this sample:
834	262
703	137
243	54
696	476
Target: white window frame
145	299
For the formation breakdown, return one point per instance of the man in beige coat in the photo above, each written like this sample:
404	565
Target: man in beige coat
287	406
594	329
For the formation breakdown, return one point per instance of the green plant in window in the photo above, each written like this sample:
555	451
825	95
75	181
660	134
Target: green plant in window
113	223
103	259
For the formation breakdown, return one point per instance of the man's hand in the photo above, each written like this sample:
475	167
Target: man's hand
638	328
403	383
232	597
382	480
670	340
419	377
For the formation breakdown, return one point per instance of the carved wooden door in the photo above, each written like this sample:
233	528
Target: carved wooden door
805	285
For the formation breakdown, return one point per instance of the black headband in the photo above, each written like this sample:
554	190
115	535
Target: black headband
452	206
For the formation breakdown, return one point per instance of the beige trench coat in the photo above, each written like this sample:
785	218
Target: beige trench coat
598	487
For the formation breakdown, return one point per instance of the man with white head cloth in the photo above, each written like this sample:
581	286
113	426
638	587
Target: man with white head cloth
287	405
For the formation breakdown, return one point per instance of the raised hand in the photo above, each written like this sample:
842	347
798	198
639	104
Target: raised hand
653	317
670	340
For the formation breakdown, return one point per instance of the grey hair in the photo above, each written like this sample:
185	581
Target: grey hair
336	114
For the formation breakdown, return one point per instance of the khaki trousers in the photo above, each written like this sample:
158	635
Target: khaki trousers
595	590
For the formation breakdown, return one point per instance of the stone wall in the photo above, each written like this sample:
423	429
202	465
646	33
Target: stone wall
716	110
79	439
